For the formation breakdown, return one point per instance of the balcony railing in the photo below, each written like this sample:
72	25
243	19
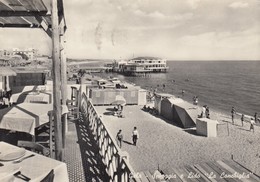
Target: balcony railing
115	160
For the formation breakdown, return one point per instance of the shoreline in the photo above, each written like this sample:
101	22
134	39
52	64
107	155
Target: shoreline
215	113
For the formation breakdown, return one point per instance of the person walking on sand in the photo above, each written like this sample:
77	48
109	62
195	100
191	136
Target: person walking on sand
233	111
252	122
135	136
242	119
119	137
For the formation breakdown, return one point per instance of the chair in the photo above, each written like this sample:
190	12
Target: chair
45	136
35	147
49	177
73	109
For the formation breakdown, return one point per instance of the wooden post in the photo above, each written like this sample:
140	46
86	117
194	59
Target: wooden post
56	81
63	83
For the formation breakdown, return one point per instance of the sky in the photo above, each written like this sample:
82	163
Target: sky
171	29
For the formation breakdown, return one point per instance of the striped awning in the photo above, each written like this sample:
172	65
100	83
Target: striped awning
6	71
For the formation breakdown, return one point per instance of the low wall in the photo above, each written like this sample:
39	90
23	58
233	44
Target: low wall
107	96
116	161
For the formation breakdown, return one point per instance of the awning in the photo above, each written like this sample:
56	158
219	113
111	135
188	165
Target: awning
120	100
6	71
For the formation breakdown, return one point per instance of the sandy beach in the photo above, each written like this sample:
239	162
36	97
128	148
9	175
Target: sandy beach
167	145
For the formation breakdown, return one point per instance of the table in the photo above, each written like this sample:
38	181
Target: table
31	97
25	117
36	167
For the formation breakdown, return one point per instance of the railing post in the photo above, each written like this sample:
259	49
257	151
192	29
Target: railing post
115	160
120	173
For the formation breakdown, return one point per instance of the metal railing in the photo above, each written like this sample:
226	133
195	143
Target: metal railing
115	160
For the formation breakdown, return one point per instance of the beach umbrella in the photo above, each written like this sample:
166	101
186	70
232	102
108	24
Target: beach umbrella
120	100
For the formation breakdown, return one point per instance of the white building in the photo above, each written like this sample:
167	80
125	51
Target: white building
30	52
152	64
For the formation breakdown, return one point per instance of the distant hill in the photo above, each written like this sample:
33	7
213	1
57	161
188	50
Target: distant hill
88	62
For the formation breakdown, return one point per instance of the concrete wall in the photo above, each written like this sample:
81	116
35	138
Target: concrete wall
107	96
206	127
166	109
142	97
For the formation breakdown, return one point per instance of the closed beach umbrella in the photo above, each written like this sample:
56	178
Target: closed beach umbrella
120	100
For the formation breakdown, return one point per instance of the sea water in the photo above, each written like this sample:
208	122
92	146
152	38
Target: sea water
218	84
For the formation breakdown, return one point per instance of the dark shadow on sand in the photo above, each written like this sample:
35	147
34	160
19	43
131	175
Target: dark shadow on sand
127	142
244	129
93	166
109	113
192	131
110	109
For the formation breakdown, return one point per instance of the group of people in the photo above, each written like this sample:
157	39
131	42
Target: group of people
195	100
118	110
253	121
120	136
205	112
5	97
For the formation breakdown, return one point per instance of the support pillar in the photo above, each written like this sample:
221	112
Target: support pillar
56	81
63	87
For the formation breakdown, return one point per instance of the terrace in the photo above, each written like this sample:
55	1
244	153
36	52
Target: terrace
86	144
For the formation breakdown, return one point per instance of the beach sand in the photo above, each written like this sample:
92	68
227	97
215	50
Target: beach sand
167	145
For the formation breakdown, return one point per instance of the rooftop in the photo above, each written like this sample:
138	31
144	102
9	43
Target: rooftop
146	58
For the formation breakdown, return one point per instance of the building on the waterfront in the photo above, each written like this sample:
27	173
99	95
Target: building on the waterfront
141	66
27	54
153	64
30	53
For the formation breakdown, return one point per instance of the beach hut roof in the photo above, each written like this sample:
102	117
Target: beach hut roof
165	95
29	14
6	71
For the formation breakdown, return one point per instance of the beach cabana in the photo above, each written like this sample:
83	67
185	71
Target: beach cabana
179	112
158	98
47	15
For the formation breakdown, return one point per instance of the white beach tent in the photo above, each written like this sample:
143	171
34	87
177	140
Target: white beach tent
179	111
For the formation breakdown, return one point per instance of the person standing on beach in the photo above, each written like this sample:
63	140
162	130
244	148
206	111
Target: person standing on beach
182	92
196	100
207	112
203	112
135	136
255	117
233	111
242	119
119	137
252	122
